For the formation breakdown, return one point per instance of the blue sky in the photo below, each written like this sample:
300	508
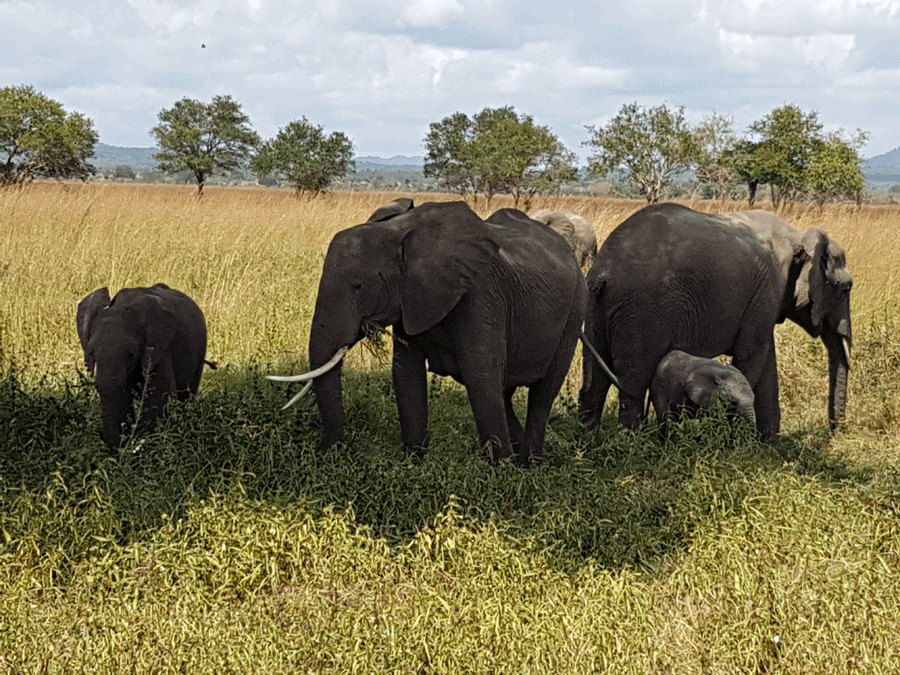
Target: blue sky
382	71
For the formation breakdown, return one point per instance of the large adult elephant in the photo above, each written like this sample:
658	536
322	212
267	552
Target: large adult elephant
575	229
495	304
147	345
671	278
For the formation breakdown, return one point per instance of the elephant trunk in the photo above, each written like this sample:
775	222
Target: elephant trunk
323	347
116	408
838	345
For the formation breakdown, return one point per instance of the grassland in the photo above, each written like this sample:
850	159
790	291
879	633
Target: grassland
229	543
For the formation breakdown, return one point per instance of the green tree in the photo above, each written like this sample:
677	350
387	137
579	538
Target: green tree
203	138
498	150
651	145
716	140
835	171
792	156
444	145
787	141
124	171
40	139
307	158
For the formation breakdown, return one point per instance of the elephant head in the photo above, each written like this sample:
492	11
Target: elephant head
391	209
684	382
577	231
409	271
817	284
145	344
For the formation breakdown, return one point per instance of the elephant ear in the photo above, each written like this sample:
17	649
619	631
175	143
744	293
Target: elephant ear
700	389
810	286
84	316
391	209
442	258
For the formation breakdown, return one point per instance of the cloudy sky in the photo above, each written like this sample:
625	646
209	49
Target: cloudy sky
381	71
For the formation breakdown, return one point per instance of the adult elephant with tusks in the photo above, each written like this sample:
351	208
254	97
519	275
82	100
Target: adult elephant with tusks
495	304
670	278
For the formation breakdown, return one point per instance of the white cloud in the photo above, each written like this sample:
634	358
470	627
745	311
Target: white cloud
388	69
758	52
430	12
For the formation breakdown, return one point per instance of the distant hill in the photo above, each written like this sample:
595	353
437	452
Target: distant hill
395	163
108	157
883	168
889	159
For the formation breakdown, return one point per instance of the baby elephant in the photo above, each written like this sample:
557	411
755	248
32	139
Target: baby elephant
148	345
690	382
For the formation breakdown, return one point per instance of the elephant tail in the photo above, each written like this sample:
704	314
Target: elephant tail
212	364
596	355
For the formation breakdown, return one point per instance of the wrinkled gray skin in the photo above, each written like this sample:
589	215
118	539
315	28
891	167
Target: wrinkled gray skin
685	382
672	278
577	231
147	345
816	281
495	304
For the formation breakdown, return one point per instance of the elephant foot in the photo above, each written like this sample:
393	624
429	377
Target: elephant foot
417	452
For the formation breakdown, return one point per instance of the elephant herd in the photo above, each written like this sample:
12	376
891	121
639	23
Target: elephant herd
500	303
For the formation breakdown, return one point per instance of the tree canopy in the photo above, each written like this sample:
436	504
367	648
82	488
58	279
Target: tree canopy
202	138
38	138
650	145
497	151
307	158
792	155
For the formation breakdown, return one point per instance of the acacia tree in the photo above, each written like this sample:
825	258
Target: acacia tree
203	138
793	157
307	158
836	171
38	138
651	145
497	150
444	145
715	139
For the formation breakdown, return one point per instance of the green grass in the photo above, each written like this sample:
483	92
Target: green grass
228	543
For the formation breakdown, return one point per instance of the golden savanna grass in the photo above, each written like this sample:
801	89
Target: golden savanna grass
251	258
230	543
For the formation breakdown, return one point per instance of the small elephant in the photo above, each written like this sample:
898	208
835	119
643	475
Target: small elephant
686	382
496	304
148	345
576	230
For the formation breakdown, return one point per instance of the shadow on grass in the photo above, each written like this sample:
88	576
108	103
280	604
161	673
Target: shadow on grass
617	497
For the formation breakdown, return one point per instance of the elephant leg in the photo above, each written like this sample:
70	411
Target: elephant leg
512	421
489	411
159	385
542	394
410	381
765	404
595	385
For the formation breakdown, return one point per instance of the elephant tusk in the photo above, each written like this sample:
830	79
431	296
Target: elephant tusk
846	351
298	396
609	373
311	375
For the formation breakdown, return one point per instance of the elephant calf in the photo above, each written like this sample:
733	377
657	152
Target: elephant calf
577	231
148	345
685	382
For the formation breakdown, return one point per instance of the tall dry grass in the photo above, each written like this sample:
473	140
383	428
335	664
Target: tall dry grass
251	258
